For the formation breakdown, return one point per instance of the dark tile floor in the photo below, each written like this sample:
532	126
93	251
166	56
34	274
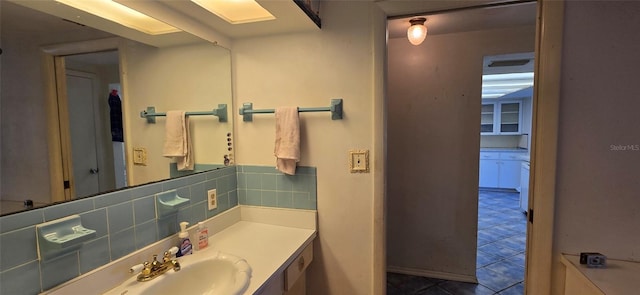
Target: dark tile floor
500	262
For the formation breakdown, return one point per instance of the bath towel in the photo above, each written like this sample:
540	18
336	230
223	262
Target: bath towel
177	142
287	150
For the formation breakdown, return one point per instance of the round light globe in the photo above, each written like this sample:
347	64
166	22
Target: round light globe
417	32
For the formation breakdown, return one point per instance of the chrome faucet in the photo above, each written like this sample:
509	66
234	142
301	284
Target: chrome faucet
151	270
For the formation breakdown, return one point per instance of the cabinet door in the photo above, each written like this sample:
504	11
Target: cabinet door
510	117
509	174
487	120
524	189
274	286
488	173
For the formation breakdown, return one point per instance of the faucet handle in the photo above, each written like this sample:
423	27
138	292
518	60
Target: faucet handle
146	268
136	268
169	253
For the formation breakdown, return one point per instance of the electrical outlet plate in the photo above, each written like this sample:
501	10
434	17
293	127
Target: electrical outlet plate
359	161
212	201
139	156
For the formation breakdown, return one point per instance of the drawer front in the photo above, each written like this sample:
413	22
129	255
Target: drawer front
298	266
489	155
516	156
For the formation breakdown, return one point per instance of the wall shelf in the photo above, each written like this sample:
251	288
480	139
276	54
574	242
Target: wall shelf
169	202
61	236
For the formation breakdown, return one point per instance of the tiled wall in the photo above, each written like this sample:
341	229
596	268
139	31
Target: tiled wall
124	220
266	186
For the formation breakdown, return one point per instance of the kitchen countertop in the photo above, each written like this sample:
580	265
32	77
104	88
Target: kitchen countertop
524	157
498	149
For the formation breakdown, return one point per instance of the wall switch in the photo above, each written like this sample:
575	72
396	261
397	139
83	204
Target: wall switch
359	161
139	156
212	201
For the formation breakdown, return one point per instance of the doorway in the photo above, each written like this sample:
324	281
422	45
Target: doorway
94	122
81	144
433	144
505	126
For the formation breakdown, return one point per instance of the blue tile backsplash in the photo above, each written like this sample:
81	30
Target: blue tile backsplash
126	221
266	186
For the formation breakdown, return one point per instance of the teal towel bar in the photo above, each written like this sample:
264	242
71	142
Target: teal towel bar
221	112
335	108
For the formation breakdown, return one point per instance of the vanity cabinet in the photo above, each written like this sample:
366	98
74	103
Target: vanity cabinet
292	281
500	169
501	117
618	277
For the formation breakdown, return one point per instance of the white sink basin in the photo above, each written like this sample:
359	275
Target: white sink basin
219	273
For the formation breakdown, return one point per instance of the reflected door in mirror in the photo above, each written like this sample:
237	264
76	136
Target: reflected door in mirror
82	129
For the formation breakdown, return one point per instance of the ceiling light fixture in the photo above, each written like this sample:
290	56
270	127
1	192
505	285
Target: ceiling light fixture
121	14
237	11
417	32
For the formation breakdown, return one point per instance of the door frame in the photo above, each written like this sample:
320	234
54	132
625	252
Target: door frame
58	138
542	180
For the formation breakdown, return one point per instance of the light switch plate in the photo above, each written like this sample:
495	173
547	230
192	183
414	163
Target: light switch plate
139	156
359	161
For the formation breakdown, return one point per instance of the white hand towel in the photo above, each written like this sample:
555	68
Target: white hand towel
287	150
177	141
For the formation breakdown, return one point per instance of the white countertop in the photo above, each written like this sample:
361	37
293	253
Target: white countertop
617	278
501	149
523	154
269	239
267	248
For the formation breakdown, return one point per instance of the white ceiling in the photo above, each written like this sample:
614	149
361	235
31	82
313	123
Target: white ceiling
394	8
31	22
456	21
447	19
192	19
27	20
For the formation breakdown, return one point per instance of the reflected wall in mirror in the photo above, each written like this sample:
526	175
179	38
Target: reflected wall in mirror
191	77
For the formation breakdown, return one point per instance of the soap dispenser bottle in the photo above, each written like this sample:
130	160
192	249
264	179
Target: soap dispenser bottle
184	245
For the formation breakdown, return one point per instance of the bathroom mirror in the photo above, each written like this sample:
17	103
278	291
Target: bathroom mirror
190	74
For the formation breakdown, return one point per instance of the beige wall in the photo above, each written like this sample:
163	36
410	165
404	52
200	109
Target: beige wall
343	60
190	78
499	141
24	159
597	205
433	148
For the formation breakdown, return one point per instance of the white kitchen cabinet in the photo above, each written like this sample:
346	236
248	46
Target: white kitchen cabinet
489	169
500	169
501	117
509	174
524	186
487	123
